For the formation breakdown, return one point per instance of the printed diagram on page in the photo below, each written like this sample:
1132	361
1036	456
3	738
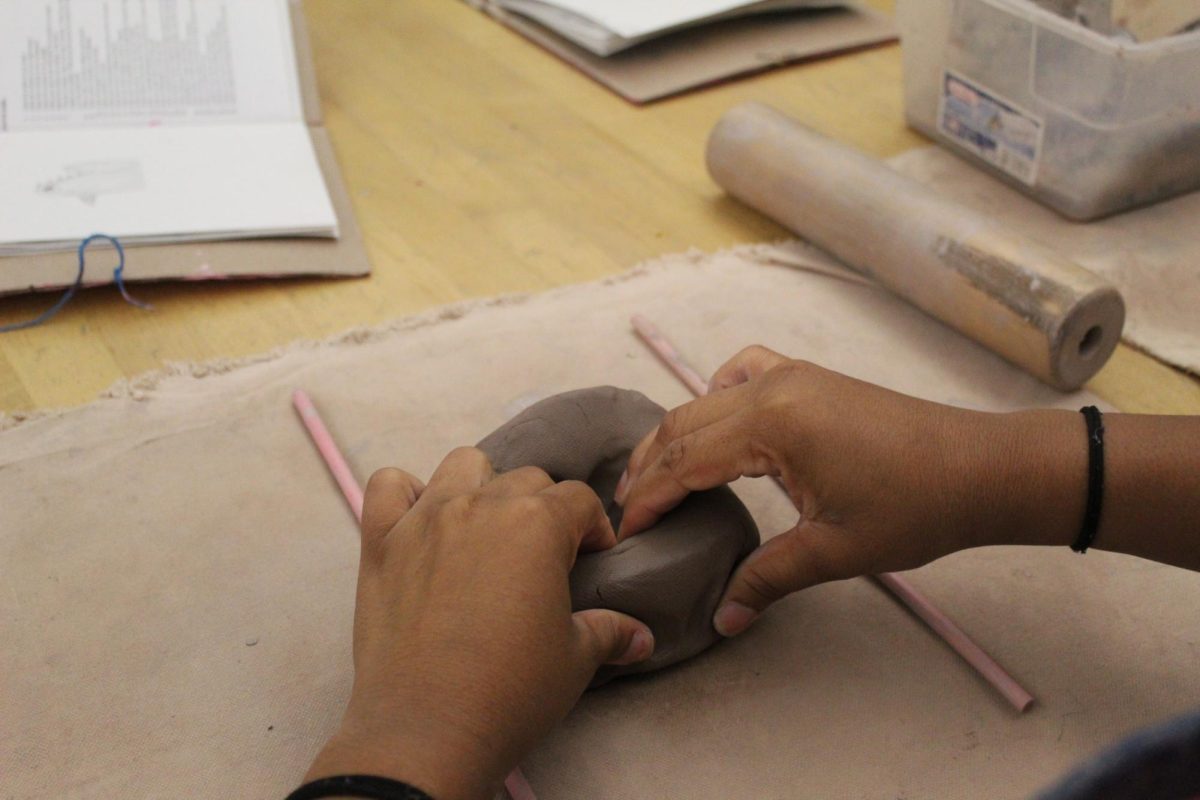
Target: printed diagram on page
90	180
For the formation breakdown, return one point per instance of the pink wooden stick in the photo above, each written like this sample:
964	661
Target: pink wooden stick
329	451
518	787
671	357
974	655
904	591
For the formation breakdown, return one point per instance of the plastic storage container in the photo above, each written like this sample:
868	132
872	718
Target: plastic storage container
1085	123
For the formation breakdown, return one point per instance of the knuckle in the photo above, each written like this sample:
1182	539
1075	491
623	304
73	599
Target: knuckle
794	370
774	413
638	456
784	387
754	352
385	474
533	475
822	570
808	565
578	492
460	507
530	512
470	509
469	455
674	456
763	453
382	478
600	631
671	425
747	353
762	585
768	407
372	546
605	631
792	563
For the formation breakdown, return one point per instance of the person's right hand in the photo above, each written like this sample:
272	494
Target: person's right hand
882	481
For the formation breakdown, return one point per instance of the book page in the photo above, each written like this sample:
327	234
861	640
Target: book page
93	63
160	184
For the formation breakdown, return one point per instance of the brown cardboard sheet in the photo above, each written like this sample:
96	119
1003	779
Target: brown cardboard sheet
712	53
235	258
178	570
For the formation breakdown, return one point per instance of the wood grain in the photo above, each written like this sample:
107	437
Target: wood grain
479	164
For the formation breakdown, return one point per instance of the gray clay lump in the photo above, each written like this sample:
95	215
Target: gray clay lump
671	576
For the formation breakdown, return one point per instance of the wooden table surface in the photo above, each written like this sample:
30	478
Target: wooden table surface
479	164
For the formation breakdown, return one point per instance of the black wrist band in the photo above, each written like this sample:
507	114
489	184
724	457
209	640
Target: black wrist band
1095	490
369	787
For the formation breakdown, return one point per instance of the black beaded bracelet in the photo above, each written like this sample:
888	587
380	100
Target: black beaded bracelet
368	787
1095	489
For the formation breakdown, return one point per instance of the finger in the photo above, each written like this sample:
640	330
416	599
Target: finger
609	637
580	515
389	495
679	422
520	481
633	467
795	560
463	470
710	457
749	363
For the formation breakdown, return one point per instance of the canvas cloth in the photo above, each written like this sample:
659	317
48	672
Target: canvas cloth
1152	255
177	569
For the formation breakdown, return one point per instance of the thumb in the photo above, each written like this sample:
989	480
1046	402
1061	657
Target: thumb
802	557
610	637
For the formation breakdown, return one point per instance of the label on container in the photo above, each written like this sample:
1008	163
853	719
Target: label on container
991	127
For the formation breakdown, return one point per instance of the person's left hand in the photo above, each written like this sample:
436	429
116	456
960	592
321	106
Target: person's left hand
465	648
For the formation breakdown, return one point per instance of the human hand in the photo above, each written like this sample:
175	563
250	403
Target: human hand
882	481
465	648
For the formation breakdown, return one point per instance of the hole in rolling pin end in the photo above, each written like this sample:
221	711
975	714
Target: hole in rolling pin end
1090	341
1088	333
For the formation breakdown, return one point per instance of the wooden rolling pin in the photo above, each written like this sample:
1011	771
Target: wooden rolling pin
1023	301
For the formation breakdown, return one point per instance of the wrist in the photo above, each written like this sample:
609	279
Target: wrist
1029	473
419	758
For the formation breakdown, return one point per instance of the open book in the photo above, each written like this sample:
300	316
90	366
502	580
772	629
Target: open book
172	121
605	27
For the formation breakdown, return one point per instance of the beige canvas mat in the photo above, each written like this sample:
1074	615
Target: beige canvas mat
178	570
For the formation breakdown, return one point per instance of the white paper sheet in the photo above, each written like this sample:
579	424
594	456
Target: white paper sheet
169	120
608	26
168	183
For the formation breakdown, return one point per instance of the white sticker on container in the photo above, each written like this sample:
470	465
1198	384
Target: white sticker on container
991	127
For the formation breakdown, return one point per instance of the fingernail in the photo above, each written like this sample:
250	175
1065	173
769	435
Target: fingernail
640	647
733	618
622	488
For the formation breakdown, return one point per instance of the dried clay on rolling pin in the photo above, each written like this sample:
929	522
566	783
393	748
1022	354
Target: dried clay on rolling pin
670	576
1025	302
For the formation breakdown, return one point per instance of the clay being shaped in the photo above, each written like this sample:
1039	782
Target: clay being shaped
670	576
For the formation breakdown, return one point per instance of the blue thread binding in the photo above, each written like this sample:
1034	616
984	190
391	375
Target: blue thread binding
118	279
